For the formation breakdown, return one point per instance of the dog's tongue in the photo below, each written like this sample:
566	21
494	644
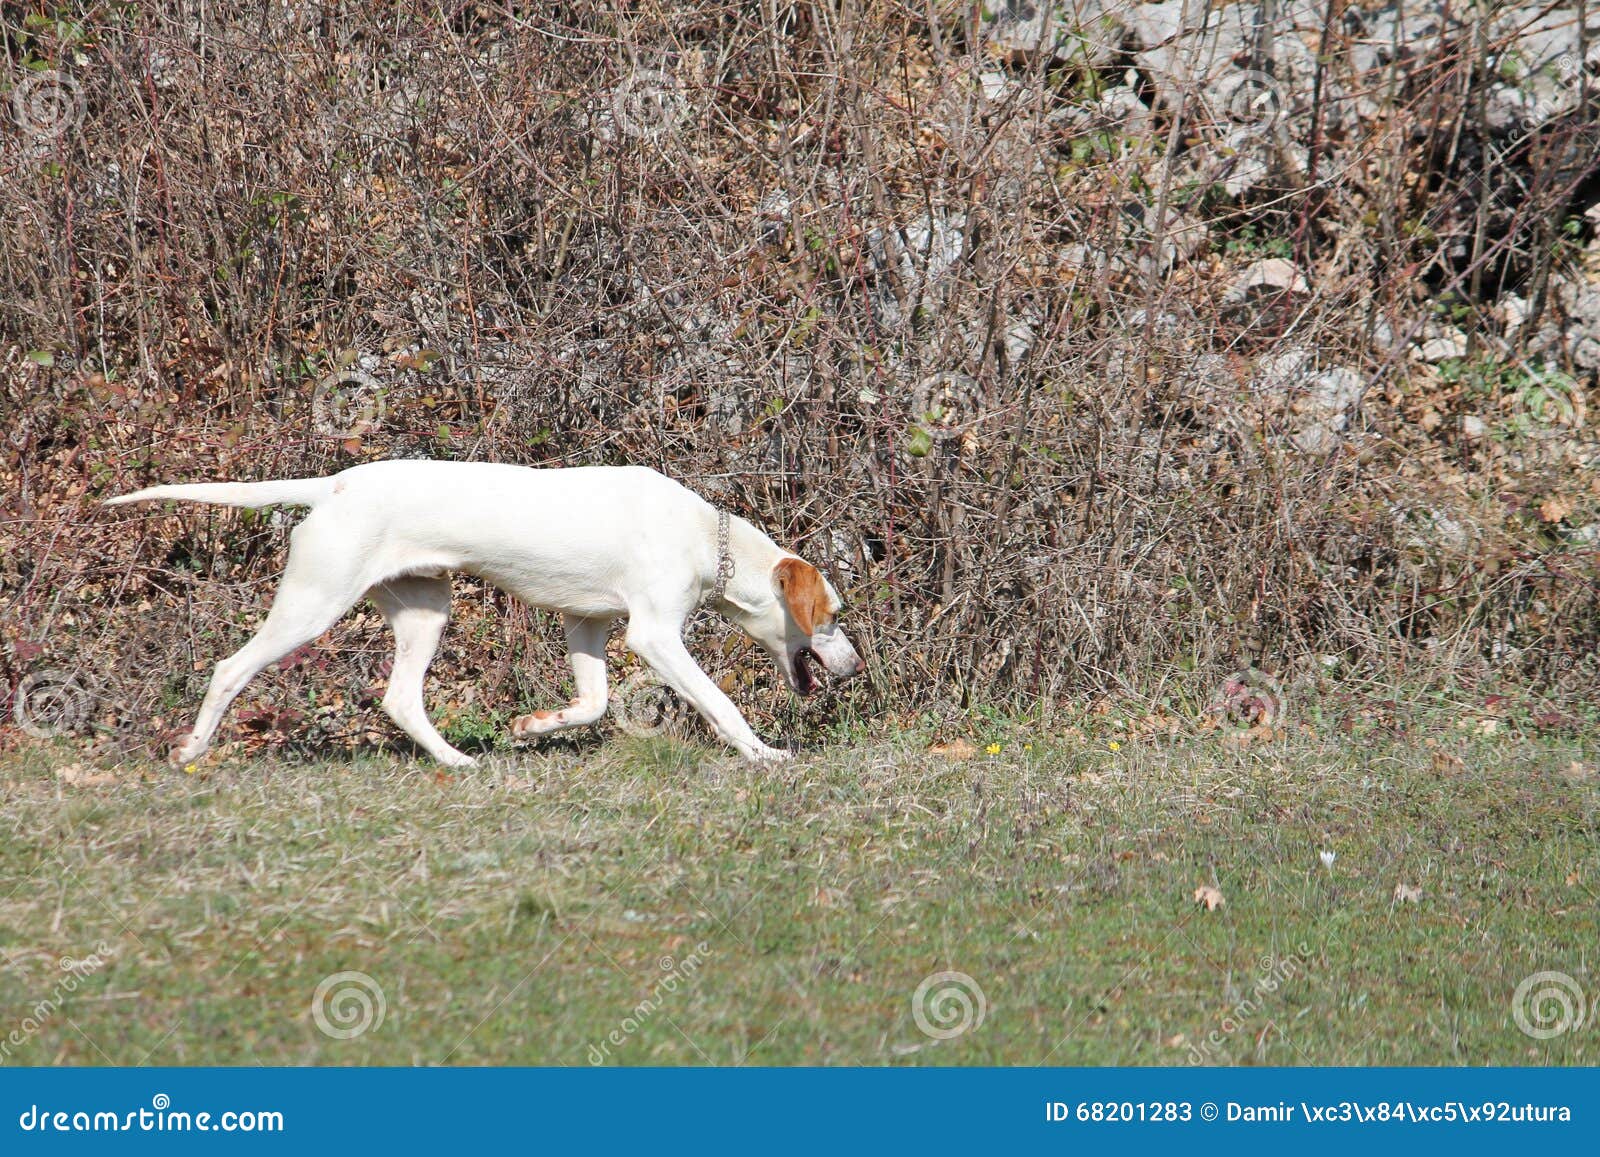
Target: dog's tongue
803	678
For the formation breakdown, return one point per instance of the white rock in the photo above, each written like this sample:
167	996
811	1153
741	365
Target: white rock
1283	372
1440	344
1586	352
1317	438
1271	273
1088	31
1511	311
1338	391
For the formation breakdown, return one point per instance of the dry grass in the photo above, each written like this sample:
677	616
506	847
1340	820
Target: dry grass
935	336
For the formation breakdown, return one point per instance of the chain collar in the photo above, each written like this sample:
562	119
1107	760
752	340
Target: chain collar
724	558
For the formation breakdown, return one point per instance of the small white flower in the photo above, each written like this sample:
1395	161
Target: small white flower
1328	858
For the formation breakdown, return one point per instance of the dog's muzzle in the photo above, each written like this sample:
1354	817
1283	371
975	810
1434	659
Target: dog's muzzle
830	650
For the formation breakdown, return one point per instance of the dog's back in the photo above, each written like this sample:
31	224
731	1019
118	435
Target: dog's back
570	539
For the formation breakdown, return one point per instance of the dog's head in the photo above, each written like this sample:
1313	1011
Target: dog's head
799	626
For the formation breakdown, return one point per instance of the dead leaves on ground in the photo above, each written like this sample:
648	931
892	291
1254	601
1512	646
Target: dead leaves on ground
77	775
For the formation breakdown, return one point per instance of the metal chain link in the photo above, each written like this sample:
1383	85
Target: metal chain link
724	557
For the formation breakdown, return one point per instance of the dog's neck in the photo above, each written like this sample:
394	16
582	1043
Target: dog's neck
754	555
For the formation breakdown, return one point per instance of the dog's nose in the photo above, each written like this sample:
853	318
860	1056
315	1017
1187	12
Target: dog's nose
860	666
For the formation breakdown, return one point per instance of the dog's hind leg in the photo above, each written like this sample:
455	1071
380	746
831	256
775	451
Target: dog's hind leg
586	651
320	583
417	610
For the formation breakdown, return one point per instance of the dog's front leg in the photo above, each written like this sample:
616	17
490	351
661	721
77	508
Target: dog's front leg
661	646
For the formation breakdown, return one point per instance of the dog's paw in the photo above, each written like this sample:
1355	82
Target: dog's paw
181	756
769	755
538	723
458	759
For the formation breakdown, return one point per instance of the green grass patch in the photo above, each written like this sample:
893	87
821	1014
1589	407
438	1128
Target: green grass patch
663	903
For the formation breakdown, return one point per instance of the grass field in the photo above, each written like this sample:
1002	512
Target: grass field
657	902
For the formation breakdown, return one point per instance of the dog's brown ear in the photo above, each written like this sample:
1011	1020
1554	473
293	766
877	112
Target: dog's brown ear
803	591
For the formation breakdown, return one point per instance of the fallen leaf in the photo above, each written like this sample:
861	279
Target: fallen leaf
956	749
1446	764
1406	894
79	776
1578	772
1556	507
1209	897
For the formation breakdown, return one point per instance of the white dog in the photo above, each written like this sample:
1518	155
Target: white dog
594	543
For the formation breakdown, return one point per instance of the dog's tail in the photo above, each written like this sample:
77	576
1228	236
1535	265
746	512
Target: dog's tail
288	492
